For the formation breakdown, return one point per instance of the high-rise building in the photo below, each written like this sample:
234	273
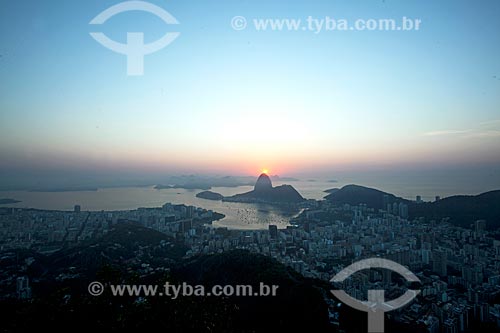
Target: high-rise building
190	211
358	215
480	226
426	256
419	199
440	262
403	210
77	209
168	207
386	201
273	231
23	288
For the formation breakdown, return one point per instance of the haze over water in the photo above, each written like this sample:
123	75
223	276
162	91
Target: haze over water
238	215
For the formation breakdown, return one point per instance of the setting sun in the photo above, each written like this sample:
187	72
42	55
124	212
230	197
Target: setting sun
266	171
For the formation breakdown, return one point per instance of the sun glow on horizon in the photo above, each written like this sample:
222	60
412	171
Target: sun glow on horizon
266	171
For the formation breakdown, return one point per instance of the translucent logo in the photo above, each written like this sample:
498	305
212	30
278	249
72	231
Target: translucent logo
134	49
376	305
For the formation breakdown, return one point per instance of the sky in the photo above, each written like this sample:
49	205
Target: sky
225	101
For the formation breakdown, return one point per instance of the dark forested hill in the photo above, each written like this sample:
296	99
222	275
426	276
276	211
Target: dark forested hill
462	210
356	194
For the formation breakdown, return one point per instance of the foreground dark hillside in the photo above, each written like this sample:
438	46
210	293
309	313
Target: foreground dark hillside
131	254
298	305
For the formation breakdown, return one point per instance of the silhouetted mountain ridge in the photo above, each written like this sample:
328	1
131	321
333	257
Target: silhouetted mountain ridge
462	210
122	242
356	194
298	304
264	192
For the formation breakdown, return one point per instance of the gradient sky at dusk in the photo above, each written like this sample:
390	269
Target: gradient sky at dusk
230	101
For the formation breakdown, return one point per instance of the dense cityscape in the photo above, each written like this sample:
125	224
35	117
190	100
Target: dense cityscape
459	268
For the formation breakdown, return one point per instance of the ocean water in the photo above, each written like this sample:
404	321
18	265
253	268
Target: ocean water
238	215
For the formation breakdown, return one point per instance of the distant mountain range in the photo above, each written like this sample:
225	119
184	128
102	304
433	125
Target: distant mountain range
462	210
160	182
193	182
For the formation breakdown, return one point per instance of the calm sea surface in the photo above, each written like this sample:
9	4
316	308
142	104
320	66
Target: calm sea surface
238	215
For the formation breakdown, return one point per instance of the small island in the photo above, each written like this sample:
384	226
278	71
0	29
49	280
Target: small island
209	195
8	201
162	187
